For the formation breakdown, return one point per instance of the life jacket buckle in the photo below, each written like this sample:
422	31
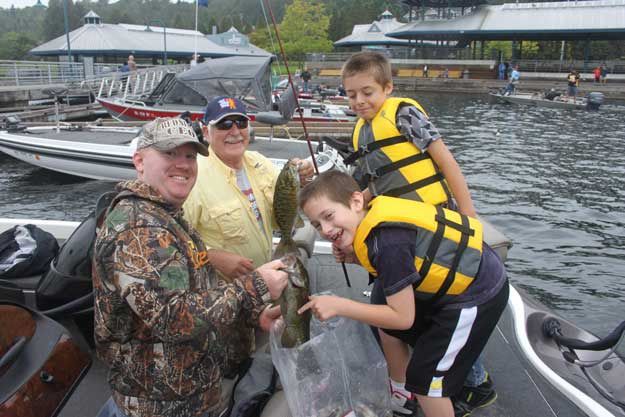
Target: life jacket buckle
364	149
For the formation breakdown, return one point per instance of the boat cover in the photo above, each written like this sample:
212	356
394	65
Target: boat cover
244	77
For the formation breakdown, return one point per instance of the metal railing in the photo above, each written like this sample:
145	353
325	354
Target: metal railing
39	72
527	65
129	84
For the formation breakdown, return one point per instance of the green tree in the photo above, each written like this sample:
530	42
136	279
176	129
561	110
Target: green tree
495	48
305	28
261	38
15	46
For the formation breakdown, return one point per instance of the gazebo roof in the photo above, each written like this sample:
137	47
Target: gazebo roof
603	19
374	33
123	39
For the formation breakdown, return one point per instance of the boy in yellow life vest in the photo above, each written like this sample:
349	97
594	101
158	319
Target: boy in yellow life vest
398	152
444	288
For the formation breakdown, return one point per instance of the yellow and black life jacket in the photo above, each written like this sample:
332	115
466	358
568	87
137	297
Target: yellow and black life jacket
448	245
390	164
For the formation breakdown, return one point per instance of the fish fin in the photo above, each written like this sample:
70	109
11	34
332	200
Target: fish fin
299	222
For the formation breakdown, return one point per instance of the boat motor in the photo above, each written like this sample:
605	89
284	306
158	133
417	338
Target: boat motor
594	100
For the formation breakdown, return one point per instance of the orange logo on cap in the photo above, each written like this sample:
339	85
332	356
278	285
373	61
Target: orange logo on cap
231	104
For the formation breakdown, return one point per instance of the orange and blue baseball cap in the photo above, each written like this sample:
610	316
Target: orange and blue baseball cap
221	107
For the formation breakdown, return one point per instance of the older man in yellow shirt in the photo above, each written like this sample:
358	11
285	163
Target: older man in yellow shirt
232	201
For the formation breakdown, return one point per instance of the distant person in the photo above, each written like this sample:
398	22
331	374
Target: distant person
506	72
425	71
132	65
306	77
193	61
501	74
572	80
597	74
446	73
124	70
604	73
515	76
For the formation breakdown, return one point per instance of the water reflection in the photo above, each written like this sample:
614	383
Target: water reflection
550	179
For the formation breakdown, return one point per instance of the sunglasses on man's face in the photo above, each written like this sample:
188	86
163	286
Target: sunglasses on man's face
227	124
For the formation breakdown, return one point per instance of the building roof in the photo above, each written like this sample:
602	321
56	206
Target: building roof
124	39
374	33
234	39
441	3
602	19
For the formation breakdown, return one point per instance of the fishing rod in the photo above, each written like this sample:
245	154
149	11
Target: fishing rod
295	96
299	108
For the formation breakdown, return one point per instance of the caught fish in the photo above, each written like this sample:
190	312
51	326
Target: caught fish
295	295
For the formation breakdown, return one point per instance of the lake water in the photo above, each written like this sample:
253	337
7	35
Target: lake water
551	180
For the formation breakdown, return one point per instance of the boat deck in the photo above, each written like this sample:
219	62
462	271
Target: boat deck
521	391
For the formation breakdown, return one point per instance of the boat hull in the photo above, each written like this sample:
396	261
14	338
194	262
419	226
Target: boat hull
106	154
539	101
89	160
131	110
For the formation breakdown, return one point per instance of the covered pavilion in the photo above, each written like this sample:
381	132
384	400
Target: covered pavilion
114	42
555	21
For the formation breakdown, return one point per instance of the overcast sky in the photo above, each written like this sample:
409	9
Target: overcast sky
6	4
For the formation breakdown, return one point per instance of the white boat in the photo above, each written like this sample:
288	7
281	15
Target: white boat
555	101
535	373
105	153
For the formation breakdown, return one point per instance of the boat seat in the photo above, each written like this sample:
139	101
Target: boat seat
330	72
284	115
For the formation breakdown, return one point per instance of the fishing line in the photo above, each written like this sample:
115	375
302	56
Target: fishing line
273	46
299	109
288	72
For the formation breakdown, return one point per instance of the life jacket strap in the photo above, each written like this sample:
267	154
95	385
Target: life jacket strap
462	245
434	245
372	146
412	159
463	228
396	192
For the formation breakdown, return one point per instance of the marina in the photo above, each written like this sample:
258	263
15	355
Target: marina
544	170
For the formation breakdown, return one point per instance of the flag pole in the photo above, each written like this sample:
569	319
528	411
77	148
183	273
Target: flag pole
195	34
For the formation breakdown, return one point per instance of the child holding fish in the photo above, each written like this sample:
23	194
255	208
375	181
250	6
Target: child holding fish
444	288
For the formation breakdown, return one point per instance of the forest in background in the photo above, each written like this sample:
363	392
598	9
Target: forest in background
305	25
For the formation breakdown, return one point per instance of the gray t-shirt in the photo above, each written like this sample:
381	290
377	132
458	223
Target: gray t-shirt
416	126
246	188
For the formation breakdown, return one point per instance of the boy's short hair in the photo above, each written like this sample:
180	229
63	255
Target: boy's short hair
337	186
374	63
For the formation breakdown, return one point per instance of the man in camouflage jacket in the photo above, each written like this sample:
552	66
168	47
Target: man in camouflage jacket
160	316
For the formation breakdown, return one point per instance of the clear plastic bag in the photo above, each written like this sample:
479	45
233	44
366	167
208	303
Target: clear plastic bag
340	371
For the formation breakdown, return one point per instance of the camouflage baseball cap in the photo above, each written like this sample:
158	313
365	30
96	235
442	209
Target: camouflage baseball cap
165	134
